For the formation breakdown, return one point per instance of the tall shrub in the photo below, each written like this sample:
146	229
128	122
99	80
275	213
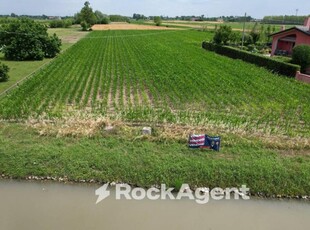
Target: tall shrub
222	35
301	56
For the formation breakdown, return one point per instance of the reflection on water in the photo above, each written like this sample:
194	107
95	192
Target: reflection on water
29	205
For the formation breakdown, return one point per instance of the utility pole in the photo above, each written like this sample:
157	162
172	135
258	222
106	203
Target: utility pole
243	31
296	12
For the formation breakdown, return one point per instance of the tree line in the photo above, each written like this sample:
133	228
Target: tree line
285	19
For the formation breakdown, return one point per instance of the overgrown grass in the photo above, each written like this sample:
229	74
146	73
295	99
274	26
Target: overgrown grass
143	163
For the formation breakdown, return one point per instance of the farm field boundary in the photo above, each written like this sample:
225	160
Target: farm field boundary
127	26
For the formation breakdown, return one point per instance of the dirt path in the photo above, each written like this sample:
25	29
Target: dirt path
68	35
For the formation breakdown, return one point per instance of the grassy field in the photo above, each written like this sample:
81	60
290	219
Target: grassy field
19	70
162	79
140	162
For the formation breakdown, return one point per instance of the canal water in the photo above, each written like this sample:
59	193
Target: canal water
37	205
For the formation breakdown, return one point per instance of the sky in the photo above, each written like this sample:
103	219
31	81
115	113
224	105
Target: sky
208	8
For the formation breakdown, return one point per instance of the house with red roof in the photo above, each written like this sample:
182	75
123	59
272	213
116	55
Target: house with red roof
284	41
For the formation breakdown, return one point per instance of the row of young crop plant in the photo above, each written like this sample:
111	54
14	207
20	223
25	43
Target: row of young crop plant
194	83
163	77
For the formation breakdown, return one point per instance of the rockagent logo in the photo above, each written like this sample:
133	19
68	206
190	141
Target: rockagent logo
200	195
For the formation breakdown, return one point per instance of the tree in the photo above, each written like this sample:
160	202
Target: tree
26	39
4	69
267	33
235	38
86	16
138	16
248	39
52	46
99	15
157	20
61	23
255	33
118	18
102	18
105	20
222	35
301	56
84	25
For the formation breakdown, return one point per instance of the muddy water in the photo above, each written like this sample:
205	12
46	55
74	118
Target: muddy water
28	205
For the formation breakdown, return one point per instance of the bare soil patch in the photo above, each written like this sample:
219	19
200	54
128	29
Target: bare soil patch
73	38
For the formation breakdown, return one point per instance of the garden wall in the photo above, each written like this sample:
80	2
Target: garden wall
302	77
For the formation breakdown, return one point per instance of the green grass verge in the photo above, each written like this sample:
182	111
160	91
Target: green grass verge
144	163
19	70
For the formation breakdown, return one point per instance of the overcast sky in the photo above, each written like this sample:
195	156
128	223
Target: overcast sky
210	8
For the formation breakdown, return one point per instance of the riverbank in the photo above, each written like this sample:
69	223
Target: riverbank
59	206
92	182
268	171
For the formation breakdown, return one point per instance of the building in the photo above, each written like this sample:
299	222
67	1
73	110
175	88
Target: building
284	41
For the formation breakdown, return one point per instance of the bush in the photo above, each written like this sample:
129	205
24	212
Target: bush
255	36
105	20
248	39
266	62
235	38
4	70
222	35
84	26
31	50
301	56
52	46
60	23
157	20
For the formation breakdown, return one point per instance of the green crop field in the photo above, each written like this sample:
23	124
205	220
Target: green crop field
163	77
238	26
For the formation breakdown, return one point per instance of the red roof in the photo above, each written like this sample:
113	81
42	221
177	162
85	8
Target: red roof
302	29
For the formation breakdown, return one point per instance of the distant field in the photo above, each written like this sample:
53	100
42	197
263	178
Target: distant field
212	25
127	26
163	77
68	35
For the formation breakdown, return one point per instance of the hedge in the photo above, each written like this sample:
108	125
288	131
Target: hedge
275	66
